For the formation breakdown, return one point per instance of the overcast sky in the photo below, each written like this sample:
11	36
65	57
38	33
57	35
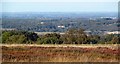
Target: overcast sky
59	5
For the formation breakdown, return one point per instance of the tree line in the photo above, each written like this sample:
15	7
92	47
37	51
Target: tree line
71	36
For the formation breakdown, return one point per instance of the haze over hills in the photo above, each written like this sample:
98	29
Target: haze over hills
60	14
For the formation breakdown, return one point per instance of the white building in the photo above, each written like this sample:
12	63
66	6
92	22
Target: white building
114	32
61	26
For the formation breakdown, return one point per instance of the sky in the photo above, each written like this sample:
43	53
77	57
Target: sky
60	0
59	6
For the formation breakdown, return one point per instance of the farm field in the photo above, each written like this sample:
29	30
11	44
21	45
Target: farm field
60	53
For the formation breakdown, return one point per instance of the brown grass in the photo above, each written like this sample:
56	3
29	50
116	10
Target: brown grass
59	54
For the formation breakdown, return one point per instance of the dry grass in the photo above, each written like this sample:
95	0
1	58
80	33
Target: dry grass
45	53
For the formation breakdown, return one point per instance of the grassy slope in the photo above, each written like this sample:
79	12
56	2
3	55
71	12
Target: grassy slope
60	53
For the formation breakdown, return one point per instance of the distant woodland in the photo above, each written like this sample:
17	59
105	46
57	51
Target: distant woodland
60	22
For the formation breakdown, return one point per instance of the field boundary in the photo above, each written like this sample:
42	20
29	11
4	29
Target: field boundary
112	46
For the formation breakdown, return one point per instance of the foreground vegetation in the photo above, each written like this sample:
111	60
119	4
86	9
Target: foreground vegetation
72	36
59	54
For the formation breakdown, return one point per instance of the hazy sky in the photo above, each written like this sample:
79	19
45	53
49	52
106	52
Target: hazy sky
60	0
59	5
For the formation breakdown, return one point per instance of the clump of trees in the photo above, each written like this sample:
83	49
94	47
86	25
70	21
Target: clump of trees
50	39
110	39
72	36
18	37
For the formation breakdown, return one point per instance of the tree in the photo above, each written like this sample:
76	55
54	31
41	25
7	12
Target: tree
75	36
22	39
115	40
50	39
81	36
93	39
31	36
70	36
12	39
18	37
5	36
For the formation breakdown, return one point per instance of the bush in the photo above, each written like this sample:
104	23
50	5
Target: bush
20	37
